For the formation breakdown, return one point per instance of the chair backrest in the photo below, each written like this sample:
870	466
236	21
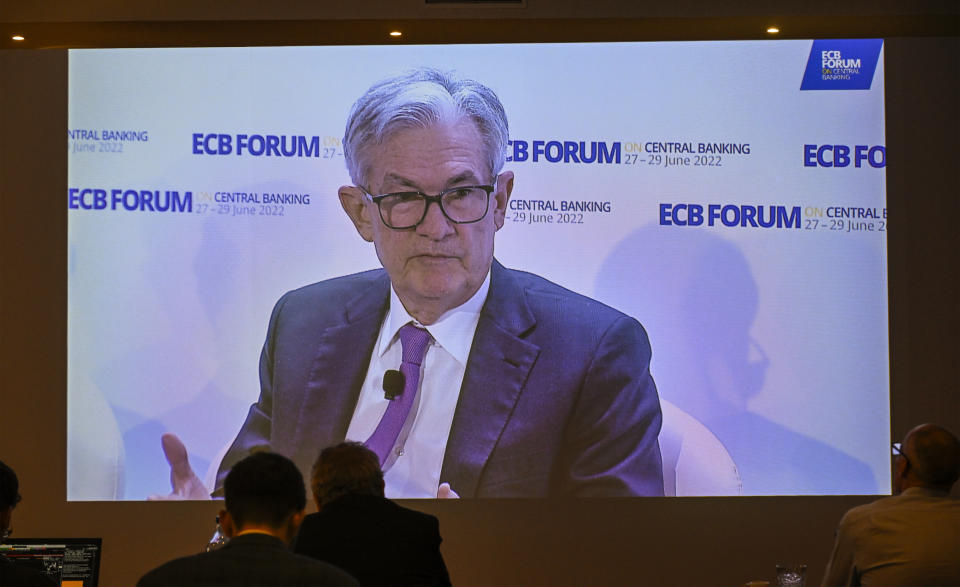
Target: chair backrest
95	451
210	478
695	462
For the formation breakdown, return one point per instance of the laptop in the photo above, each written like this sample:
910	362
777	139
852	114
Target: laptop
70	562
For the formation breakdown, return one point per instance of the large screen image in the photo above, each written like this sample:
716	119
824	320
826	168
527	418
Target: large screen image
633	269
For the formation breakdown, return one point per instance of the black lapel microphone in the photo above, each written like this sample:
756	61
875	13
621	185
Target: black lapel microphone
393	382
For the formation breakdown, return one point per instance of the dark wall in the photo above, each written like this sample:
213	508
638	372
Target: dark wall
923	187
678	541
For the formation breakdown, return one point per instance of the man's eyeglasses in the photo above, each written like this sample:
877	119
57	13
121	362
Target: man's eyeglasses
460	205
895	450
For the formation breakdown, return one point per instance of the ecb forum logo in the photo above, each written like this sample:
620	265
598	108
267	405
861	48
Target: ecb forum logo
842	64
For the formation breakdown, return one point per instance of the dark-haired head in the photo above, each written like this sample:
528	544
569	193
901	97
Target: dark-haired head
9	487
9	497
264	491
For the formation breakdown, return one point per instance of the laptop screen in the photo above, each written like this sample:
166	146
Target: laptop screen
70	562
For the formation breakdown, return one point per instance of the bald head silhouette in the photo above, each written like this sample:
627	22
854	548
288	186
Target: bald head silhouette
932	459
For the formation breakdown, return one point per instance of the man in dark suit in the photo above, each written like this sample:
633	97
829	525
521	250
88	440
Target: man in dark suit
357	529
524	389
265	499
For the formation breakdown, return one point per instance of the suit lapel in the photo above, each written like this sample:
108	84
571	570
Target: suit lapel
497	369
341	360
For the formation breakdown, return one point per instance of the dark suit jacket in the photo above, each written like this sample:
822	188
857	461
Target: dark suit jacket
249	560
376	541
557	398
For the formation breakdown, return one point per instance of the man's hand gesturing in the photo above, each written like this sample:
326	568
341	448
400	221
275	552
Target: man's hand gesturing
185	483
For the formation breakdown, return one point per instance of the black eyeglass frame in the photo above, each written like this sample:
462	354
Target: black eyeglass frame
438	199
896	450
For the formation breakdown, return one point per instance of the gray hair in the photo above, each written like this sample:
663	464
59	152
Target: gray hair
348	468
421	98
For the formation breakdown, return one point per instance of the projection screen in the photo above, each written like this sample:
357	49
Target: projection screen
730	196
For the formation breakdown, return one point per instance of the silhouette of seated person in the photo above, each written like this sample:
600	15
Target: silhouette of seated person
912	537
10	573
265	498
361	531
699	300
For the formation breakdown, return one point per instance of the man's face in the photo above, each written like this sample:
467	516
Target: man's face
438	265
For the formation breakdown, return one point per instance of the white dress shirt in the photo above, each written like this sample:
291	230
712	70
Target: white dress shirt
413	468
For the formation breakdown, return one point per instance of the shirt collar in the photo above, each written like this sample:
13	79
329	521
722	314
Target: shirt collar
453	331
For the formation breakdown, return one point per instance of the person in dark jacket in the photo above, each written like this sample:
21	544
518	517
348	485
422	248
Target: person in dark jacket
265	499
361	531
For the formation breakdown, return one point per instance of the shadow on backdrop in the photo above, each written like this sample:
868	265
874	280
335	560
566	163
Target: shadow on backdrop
697	297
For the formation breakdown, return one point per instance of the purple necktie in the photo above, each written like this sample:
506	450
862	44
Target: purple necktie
414	341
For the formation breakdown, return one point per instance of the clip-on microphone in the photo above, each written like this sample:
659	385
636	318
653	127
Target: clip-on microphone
393	382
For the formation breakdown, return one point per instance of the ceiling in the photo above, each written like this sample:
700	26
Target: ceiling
159	23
